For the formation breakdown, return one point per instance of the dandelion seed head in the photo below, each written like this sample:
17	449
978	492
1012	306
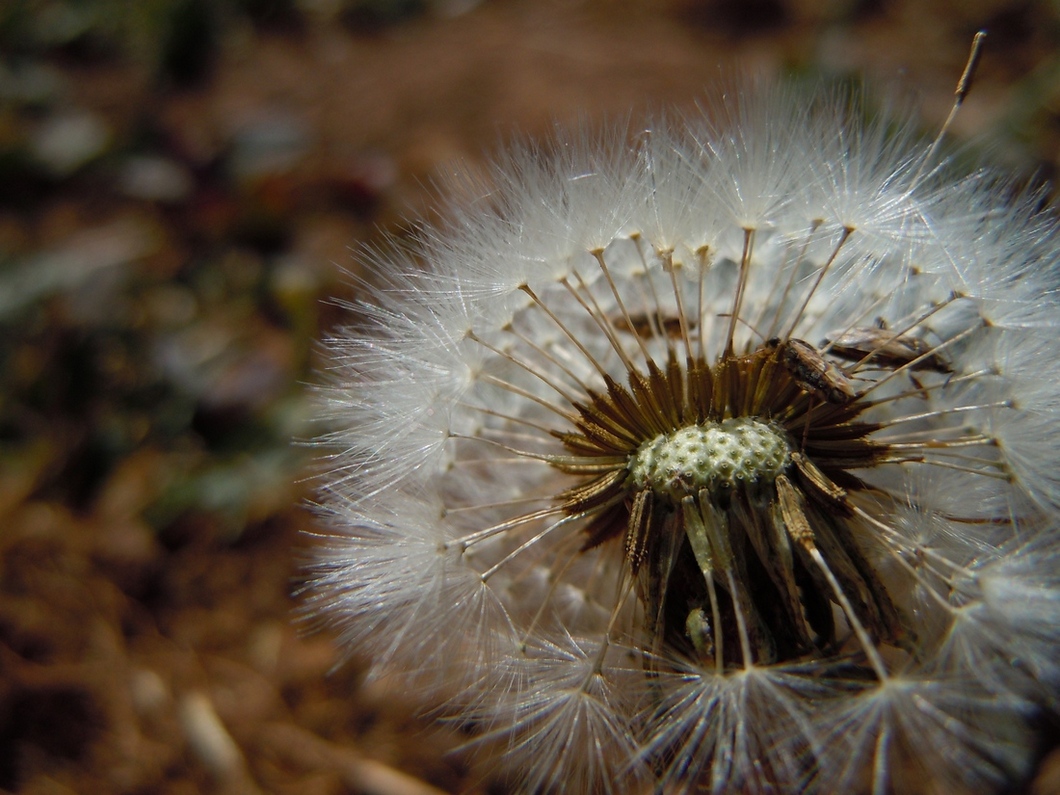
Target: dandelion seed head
715	455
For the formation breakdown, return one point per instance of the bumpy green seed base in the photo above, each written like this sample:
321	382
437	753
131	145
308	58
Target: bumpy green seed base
716	456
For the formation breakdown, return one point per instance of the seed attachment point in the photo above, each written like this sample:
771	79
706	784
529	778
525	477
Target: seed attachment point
716	456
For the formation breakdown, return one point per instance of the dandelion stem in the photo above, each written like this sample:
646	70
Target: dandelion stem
955	467
847	232
741	284
599	255
910	365
655	311
530	542
667	256
570	335
571	464
518	390
937	444
508	417
853	368
550	357
899	539
1001	404
491	506
538	374
964	85
792	277
701	278
922	390
598	317
501	527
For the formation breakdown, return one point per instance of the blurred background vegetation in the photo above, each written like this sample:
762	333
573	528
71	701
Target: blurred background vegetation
183	185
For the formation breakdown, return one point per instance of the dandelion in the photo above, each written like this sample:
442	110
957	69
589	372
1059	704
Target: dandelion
716	457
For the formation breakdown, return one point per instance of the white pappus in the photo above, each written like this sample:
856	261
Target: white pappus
599	490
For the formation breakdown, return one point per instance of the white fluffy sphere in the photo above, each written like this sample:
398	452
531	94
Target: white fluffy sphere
875	608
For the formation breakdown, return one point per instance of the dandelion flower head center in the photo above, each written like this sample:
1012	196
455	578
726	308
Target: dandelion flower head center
716	456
